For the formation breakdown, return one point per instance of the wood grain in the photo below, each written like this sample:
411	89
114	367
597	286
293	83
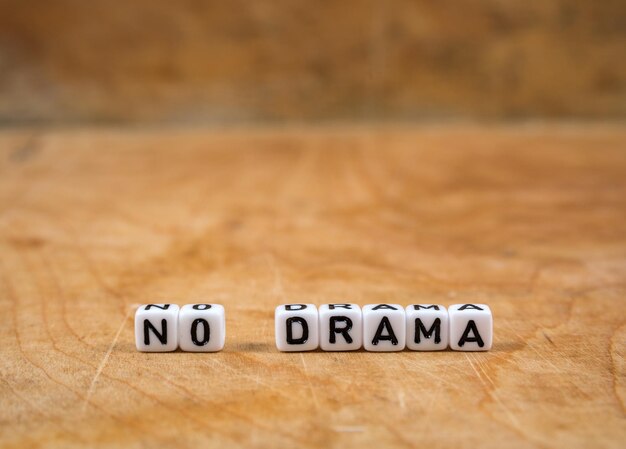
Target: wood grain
531	220
242	61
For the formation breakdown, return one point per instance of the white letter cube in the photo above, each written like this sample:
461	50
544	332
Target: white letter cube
296	327
201	328
426	327
341	327
156	327
384	327
471	327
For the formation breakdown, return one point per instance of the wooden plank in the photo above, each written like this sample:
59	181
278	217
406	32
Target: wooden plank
529	219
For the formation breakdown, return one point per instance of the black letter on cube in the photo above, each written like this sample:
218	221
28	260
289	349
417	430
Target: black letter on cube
434	329
465	338
305	330
147	327
384	324
340	306
292	307
194	331
345	330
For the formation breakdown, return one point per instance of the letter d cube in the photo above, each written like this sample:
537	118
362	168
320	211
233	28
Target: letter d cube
296	327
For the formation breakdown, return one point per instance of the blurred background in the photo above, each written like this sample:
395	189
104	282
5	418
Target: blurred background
205	62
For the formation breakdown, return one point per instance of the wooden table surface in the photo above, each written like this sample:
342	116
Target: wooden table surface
528	219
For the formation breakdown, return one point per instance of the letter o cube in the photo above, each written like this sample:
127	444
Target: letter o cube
296	327
201	328
156	327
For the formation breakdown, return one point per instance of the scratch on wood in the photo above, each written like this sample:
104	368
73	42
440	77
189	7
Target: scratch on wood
104	361
306	374
528	343
492	393
548	338
401	399
256	379
615	355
